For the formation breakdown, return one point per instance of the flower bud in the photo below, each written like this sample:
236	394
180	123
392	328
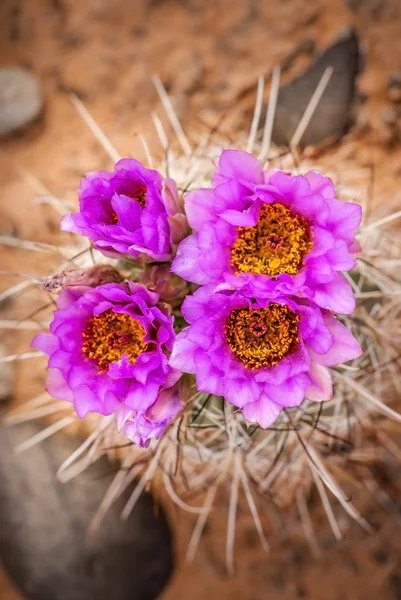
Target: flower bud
175	210
93	277
170	287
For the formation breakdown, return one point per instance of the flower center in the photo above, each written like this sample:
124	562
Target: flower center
137	193
110	335
277	244
262	337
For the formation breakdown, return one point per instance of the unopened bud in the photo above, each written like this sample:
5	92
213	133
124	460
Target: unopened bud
170	287
93	277
175	210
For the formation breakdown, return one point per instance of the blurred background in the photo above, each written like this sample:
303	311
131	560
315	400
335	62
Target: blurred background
209	57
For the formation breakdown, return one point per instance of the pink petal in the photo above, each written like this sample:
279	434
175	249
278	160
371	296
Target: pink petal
339	257
170	196
45	342
167	406
234	164
122	415
268	174
320	388
57	387
337	295
292	187
182	356
262	412
239	393
289	393
85	400
199	207
241	219
320	185
69	295
178	227
344	219
141	397
355	248
185	263
344	348
68	224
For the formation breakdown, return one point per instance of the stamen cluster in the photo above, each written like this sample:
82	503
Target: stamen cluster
110	335
261	338
277	244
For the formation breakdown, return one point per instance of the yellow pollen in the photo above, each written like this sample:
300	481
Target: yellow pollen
262	337
110	335
277	244
139	195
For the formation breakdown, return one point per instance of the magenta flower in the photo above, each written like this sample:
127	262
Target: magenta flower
109	349
260	355
152	423
130	210
271	231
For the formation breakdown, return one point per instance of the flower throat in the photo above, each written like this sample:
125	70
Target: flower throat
262	337
136	192
110	335
277	244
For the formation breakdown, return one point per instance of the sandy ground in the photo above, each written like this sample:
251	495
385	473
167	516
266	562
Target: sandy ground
207	56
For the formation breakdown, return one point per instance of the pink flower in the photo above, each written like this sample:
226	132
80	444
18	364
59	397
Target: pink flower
272	232
152	423
260	354
109	350
130	210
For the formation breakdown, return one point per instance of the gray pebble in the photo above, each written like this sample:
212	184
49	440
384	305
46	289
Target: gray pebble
21	99
43	529
333	113
6	374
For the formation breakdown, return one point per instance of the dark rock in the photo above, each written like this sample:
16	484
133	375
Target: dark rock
394	86
332	116
5	379
43	529
382	555
21	99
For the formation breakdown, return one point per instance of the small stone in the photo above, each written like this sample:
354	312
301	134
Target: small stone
44	544
5	379
333	113
382	555
21	99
